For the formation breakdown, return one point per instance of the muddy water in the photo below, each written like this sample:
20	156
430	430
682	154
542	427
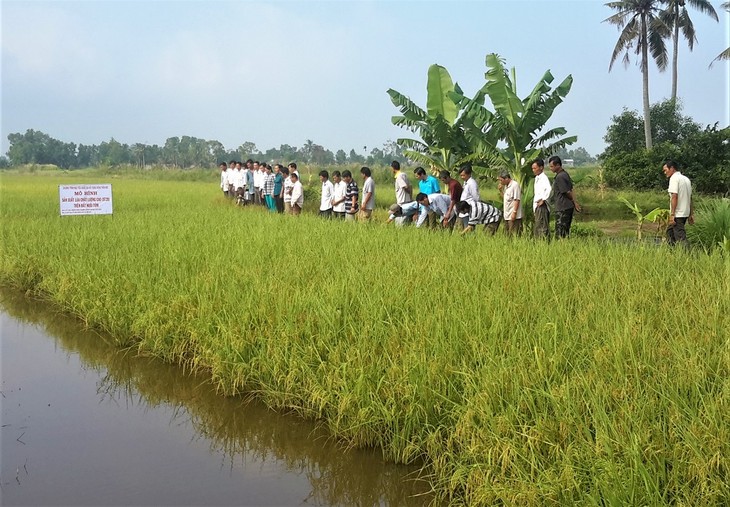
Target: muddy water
86	424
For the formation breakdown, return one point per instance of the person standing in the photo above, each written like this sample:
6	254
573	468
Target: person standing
512	204
368	194
297	194
288	185
338	195
279	188
540	207
224	180
351	191
328	190
470	192
403	189
267	191
258	182
680	204
428	185
229	179
565	202
454	189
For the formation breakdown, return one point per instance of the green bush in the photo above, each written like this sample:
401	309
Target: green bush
704	157
712	225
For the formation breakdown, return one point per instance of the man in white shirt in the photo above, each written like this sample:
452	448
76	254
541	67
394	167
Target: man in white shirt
680	203
297	194
512	203
229	179
541	229
338	196
288	185
368	194
470	192
328	190
258	182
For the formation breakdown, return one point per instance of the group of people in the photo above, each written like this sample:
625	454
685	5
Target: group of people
279	189
463	201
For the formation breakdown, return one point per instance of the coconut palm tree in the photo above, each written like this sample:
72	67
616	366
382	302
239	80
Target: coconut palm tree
643	31
725	55
676	16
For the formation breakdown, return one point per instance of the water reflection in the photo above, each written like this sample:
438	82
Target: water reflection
237	431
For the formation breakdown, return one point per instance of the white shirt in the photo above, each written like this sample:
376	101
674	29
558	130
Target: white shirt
471	191
224	180
297	194
328	191
512	194
679	184
229	176
237	178
542	189
338	194
258	178
288	185
368	187
401	183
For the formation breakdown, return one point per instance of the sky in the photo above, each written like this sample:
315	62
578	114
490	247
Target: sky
283	72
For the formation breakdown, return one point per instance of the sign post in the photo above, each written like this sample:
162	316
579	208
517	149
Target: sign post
85	199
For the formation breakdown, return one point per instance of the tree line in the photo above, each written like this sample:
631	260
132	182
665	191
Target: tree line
36	147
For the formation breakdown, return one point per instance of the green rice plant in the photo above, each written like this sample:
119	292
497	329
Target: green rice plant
712	225
517	372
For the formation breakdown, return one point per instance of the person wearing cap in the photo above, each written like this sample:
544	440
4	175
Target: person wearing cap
403	187
540	207
478	212
564	195
438	204
454	189
680	203
512	203
297	194
403	214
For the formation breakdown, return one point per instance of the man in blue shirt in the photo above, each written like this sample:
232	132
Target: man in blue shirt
428	185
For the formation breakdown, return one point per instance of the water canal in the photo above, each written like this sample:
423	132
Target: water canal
84	423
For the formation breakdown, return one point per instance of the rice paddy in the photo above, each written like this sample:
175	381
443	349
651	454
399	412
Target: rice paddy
517	372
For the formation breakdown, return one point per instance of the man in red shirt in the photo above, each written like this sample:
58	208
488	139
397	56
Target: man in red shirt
454	190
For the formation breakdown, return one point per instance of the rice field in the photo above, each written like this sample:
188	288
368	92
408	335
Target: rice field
518	372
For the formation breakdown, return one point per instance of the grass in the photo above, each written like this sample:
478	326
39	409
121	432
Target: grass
520	372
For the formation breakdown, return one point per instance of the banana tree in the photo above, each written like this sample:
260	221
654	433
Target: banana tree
658	215
518	123
442	144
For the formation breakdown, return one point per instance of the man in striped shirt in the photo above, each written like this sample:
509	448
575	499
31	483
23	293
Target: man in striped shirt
351	207
479	213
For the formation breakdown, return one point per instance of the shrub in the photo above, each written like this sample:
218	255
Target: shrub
712	225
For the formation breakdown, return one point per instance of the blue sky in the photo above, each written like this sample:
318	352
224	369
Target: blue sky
282	72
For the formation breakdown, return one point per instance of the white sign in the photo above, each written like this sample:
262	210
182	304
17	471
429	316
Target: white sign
85	199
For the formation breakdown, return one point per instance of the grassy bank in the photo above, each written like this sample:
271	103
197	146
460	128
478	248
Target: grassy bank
522	373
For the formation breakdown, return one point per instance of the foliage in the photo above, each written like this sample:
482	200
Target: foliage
712	226
703	156
676	17
668	125
642	31
725	55
442	144
519	123
586	401
656	215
